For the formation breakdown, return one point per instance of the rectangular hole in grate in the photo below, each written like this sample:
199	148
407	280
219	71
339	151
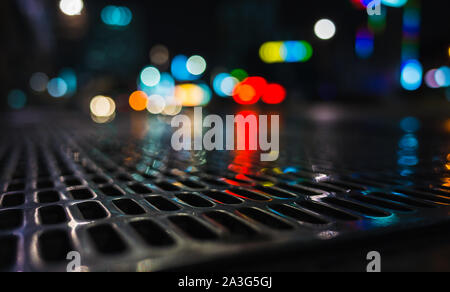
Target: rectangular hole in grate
152	233
233	225
8	252
162	204
45	184
81	194
129	207
13	200
107	240
402	199
428	197
275	192
92	210
124	177
381	203
192	184
297	214
297	190
100	180
112	191
372	212
73	182
48	197
54	246
248	195
11	219
52	215
192	227
140	189
265	219
15	187
168	187
194	200
327	211
223	198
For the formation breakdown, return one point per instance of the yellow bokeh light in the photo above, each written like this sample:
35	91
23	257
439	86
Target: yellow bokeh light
273	52
189	94
138	101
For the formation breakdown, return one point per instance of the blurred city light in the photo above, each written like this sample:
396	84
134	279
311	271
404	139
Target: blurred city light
217	84
190	95
274	94
103	108
325	29
297	51
180	70
17	99
228	84
239	74
250	90
394	3
411	75
196	65
410	124
364	45
288	51
38	82
71	7
150	76
57	87
120	16
70	78
159	55
272	52
173	106
430	79
442	76
156	104
138	101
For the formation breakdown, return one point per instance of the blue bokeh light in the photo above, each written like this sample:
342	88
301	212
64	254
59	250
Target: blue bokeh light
57	87
411	75
120	16
179	69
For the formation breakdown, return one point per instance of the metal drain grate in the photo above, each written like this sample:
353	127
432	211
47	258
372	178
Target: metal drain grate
128	203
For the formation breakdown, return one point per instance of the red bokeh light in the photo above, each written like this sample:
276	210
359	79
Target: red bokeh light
250	90
274	94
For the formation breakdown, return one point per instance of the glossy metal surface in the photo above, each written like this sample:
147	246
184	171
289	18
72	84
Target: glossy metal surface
121	197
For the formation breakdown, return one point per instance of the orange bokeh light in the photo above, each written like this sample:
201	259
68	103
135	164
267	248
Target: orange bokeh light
447	126
138	101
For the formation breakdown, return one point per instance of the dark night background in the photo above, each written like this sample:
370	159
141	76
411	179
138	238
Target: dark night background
227	33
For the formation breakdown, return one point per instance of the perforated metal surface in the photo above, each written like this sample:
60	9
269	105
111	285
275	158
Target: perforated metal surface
118	195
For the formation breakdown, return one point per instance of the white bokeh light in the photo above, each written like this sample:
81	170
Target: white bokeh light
71	7
196	65
156	104
325	29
